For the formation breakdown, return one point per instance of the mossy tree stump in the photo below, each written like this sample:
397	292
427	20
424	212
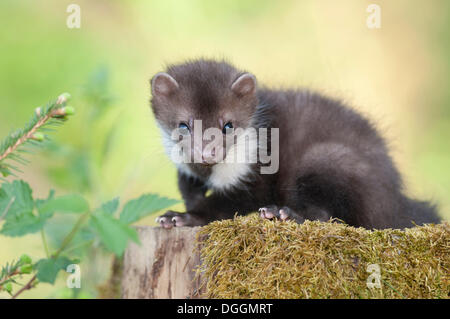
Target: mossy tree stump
163	265
247	257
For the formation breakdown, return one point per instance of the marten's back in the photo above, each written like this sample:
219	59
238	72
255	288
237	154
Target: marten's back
318	133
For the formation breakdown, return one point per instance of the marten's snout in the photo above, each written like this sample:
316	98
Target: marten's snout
209	157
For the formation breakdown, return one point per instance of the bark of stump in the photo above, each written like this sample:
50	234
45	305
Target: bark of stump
163	265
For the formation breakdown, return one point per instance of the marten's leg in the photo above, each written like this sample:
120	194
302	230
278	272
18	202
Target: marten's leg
192	190
333	181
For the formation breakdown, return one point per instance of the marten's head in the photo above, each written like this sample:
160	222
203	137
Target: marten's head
205	107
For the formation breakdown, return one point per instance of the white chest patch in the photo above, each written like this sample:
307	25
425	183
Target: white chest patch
228	175
237	166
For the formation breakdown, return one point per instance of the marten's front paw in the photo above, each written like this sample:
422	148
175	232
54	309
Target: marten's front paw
283	213
269	212
173	219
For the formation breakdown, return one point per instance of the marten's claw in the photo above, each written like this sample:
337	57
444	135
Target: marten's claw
172	219
285	213
165	222
269	212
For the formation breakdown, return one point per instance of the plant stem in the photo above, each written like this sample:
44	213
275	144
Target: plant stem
26	137
390	286
8	276
54	113
7	207
27	286
78	246
64	244
72	234
44	242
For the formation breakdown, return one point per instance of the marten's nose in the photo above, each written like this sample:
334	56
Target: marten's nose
208	158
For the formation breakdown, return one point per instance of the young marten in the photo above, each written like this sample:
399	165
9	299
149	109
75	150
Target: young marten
316	158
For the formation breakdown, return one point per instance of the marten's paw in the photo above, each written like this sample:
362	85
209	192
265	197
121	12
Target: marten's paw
173	219
269	212
283	213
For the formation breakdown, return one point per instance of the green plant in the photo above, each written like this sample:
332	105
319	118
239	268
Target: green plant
21	213
18	141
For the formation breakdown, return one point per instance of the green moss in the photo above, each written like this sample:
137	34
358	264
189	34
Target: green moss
252	258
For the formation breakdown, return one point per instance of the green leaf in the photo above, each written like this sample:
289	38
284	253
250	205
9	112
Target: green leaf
113	233
65	204
25	223
17	202
109	207
39	202
48	269
15	199
143	206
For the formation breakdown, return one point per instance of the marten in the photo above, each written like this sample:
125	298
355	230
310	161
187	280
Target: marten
312	157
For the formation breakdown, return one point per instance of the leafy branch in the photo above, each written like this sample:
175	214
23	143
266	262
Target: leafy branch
52	114
33	281
112	230
21	213
10	272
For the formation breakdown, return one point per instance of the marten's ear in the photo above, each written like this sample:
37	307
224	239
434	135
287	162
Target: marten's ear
163	84
244	85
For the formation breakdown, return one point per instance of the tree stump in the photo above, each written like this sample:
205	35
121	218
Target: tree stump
163	266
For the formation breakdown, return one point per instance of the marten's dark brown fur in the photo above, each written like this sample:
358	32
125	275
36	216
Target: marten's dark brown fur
332	161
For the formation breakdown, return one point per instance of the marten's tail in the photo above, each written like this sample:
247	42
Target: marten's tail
420	212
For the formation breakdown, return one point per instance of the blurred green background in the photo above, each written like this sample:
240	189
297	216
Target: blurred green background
397	75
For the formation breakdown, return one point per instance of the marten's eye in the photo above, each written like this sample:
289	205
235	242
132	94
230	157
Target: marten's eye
227	127
184	128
